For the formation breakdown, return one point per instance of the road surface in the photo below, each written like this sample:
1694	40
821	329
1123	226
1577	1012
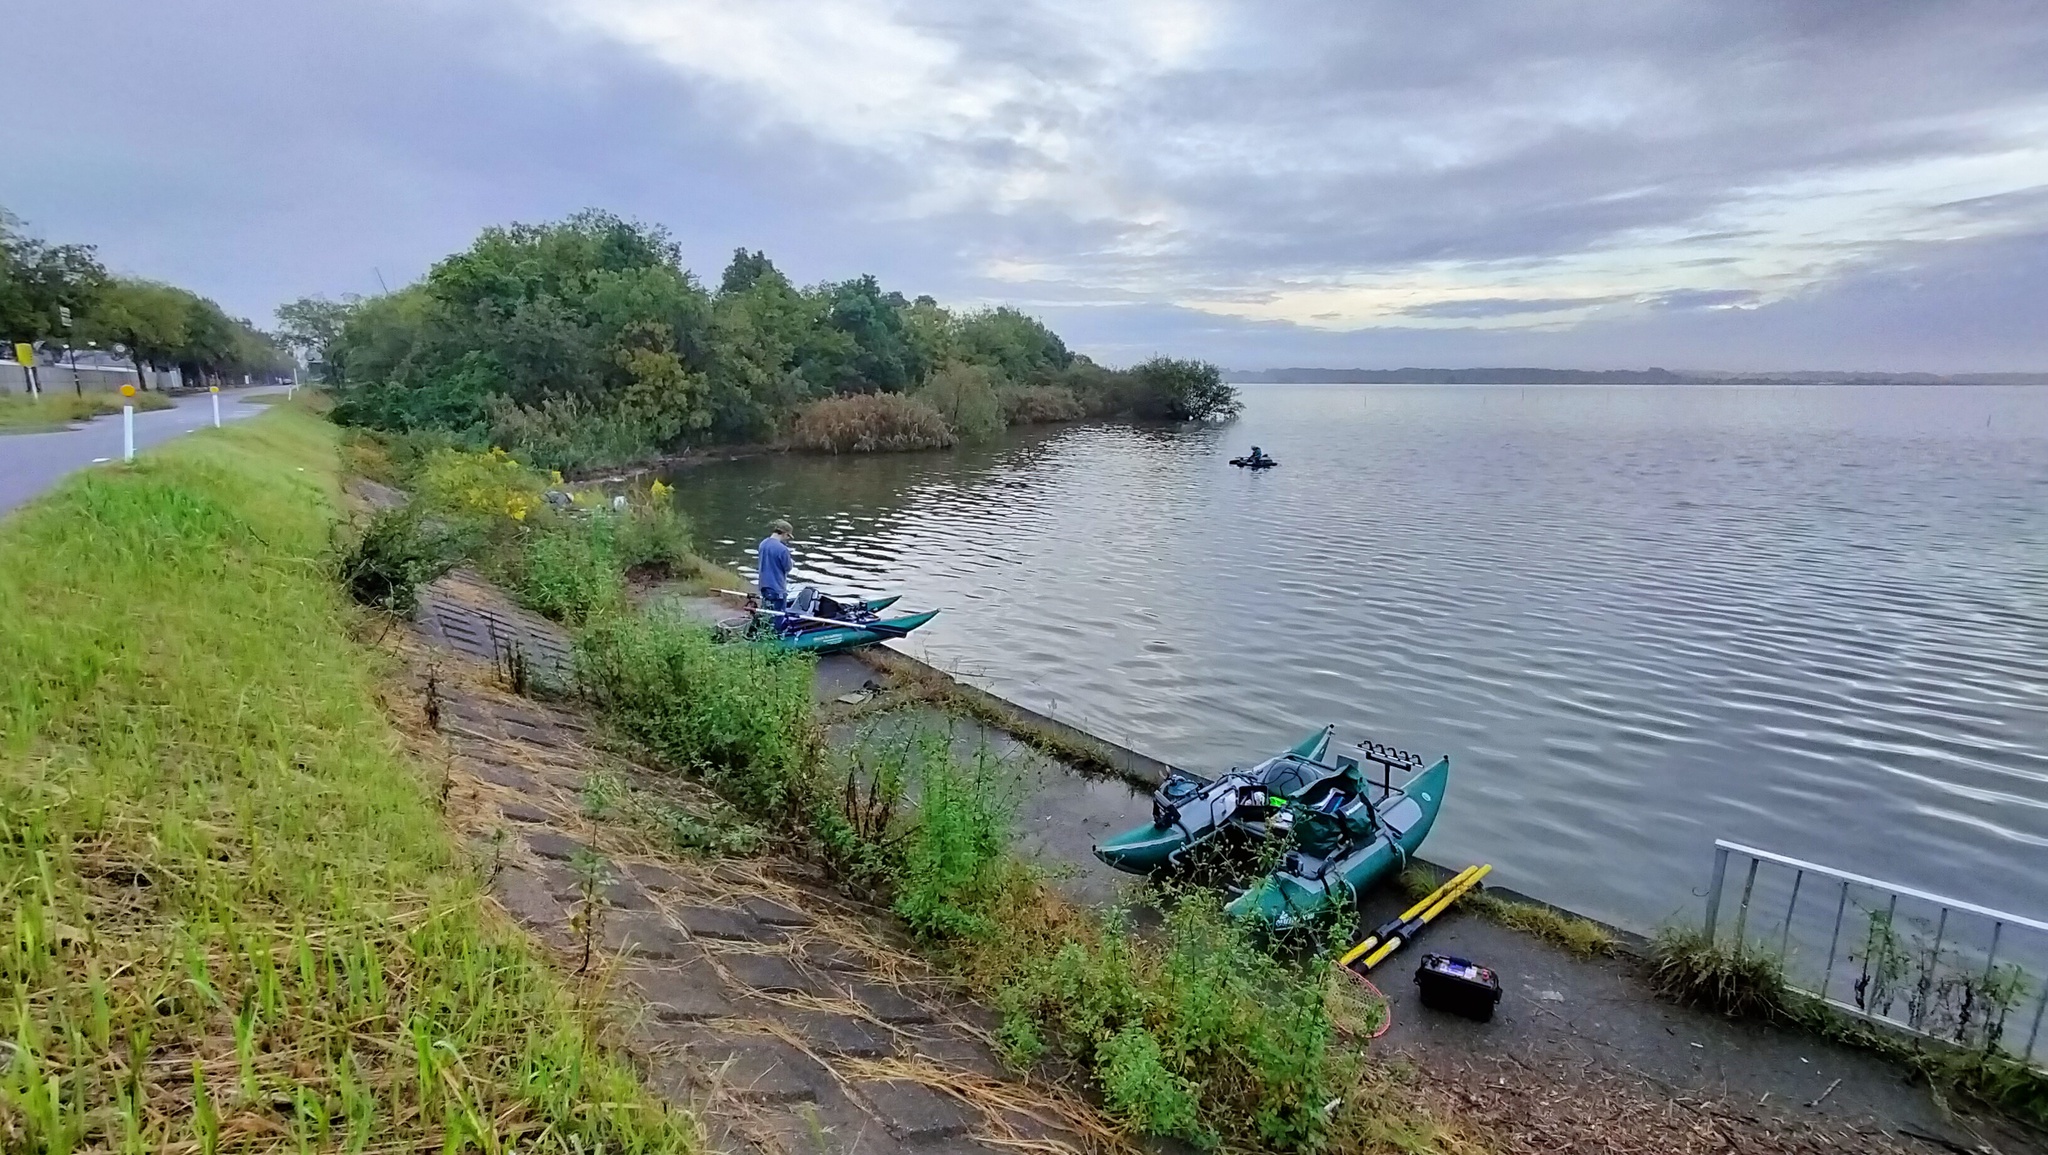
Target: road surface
33	462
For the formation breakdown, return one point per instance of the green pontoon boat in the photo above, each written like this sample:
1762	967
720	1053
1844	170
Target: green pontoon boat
815	623
1347	817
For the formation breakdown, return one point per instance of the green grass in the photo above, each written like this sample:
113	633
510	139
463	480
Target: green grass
1582	937
237	922
20	413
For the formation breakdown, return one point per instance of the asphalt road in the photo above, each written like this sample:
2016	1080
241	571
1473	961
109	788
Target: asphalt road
33	462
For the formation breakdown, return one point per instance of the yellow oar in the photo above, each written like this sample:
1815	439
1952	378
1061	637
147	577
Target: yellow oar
1408	931
1374	939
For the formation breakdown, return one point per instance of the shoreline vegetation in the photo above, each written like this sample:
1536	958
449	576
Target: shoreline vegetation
1196	1032
586	345
239	921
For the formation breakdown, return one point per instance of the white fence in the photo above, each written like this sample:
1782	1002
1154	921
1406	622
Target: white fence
87	378
1933	965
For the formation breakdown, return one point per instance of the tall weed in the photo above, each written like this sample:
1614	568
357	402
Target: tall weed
570	571
738	715
953	866
869	423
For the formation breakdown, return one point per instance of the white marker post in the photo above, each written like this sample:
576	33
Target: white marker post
127	422
215	390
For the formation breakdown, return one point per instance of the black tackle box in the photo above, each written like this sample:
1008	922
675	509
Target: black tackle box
1457	985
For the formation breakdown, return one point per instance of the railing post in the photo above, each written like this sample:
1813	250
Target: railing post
1785	939
1714	890
1742	911
1841	908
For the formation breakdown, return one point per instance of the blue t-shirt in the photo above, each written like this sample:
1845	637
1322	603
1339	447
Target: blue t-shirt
775	567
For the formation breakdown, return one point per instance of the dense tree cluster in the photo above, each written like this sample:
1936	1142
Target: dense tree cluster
59	295
586	342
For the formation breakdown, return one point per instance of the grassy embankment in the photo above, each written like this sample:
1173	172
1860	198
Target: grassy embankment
236	920
55	410
1196	1032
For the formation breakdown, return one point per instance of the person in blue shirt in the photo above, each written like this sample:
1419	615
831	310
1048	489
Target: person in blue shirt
775	563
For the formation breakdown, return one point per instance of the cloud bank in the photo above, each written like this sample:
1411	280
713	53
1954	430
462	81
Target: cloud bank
1842	183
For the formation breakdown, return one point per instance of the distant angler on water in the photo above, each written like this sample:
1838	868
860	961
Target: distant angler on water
1256	459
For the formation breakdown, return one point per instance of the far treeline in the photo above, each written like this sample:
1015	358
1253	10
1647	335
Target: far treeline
58	296
585	343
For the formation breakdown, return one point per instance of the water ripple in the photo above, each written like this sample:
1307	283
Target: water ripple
1638	619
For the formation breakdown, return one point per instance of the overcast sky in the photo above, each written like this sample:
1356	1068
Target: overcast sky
1792	184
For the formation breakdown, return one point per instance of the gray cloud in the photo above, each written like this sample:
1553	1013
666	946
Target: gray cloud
1831	166
1503	306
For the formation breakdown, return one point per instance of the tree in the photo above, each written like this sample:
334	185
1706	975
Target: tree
146	317
745	269
1017	345
312	326
1169	390
965	397
39	281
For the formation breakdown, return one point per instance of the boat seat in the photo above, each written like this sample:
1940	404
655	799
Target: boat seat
805	602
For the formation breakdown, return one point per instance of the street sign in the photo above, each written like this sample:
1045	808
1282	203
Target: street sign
64	316
25	353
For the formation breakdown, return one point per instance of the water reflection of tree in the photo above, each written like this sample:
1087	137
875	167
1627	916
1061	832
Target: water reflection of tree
869	494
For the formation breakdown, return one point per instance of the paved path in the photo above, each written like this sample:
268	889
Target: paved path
790	1020
33	462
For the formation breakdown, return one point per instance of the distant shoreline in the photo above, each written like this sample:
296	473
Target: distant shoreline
1530	376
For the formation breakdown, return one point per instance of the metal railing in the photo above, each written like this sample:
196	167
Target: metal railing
1922	962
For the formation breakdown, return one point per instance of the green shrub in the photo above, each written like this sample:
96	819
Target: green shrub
738	715
567	433
869	423
570	572
1691	971
1249	1036
966	397
1144	1092
952	868
653	536
392	556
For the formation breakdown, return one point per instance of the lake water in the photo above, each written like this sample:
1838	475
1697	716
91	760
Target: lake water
1811	619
